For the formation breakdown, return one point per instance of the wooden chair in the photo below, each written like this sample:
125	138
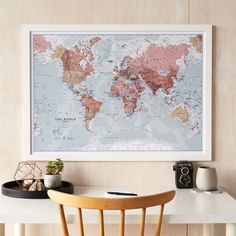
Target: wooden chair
101	204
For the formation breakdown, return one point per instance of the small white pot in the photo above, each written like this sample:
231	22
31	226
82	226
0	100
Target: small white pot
52	181
206	178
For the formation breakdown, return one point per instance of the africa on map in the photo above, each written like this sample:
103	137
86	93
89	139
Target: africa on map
117	92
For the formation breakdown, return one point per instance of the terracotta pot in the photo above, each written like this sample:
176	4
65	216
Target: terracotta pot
52	181
206	178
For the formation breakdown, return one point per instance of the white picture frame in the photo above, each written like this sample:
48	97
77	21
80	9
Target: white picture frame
205	154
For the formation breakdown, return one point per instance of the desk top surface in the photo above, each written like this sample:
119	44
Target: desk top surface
187	207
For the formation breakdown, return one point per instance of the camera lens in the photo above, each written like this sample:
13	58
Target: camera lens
184	171
184	179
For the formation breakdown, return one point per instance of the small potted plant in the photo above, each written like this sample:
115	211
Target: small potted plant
52	178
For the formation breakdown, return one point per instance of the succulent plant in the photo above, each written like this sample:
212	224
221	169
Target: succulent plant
54	167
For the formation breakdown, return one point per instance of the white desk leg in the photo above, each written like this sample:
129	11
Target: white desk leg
2	229
19	230
208	230
230	229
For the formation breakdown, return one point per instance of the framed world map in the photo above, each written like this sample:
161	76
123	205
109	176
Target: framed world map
118	92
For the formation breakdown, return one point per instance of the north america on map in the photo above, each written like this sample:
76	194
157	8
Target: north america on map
117	92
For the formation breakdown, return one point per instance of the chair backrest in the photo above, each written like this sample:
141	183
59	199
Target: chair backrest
122	204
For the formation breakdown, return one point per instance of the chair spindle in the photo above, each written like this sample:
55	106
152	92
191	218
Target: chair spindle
158	228
122	222
81	227
101	223
63	220
142	225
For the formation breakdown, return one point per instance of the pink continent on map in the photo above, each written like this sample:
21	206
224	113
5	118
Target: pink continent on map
77	62
156	60
40	44
156	67
129	95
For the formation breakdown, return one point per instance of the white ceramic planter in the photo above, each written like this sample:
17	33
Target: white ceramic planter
52	181
206	178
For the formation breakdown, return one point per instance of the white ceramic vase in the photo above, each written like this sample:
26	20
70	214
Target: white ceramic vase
206	178
52	181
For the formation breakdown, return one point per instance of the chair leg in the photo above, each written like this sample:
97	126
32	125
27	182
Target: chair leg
63	221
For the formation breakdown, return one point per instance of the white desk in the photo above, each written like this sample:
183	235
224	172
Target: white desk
186	208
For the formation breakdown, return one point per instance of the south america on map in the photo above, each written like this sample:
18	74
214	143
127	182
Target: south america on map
117	92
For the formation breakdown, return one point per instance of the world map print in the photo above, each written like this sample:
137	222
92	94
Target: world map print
116	92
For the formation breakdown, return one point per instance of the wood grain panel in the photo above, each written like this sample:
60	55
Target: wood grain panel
222	15
110	230
194	230
182	12
104	11
10	89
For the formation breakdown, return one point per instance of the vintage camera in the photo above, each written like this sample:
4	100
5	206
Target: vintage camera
183	174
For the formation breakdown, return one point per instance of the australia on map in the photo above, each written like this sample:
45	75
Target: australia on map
117	92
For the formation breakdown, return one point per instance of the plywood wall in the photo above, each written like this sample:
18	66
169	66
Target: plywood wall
14	13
